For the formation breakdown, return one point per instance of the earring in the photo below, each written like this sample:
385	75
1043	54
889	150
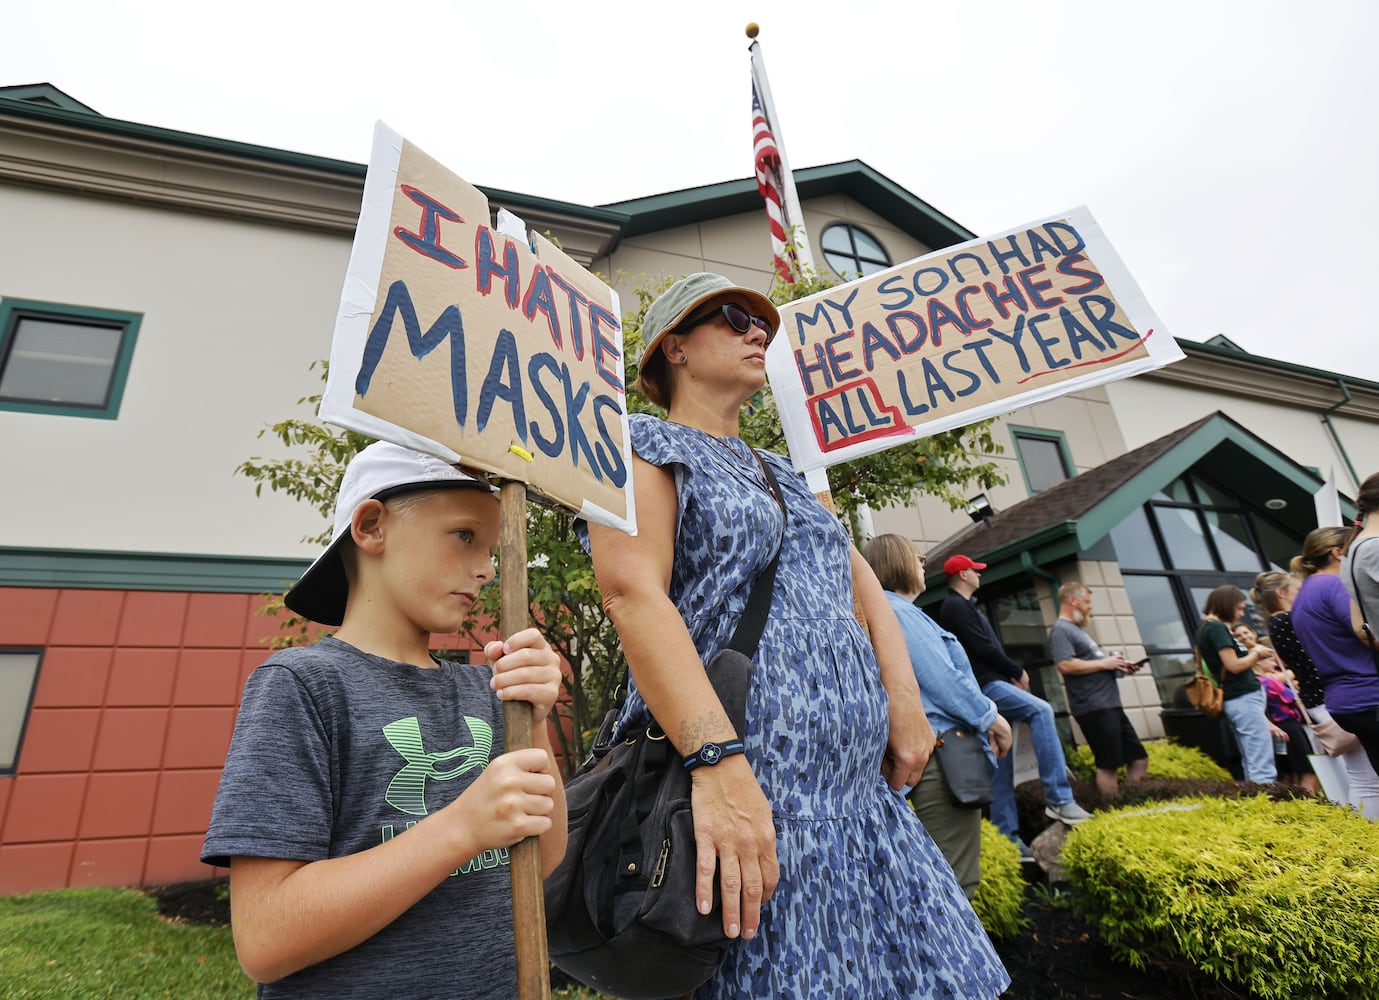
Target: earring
682	357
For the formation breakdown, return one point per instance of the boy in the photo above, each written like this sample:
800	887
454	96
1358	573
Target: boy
364	824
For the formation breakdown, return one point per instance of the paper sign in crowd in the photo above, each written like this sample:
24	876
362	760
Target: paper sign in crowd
969	332
478	344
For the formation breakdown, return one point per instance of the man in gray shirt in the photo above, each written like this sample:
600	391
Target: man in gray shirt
1093	698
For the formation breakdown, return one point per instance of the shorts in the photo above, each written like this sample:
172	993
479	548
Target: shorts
1112	738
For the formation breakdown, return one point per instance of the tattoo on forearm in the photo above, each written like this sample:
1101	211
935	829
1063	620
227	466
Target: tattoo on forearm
713	725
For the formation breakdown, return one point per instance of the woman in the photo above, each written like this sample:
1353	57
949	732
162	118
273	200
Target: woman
1286	719
1275	592
1323	619
1360	567
835	725
951	699
1232	667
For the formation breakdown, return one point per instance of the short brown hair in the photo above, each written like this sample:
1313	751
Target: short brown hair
896	563
1073	588
1223	601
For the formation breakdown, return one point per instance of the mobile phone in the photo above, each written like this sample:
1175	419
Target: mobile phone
1140	663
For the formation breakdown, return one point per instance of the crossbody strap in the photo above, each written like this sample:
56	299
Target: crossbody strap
1364	612
753	621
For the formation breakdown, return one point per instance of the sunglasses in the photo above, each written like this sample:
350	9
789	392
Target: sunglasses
738	318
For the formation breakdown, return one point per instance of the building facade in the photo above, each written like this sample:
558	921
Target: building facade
164	296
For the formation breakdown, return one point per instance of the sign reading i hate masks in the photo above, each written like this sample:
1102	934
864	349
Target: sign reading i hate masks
482	345
960	335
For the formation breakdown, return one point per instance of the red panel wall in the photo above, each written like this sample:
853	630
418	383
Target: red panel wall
131	718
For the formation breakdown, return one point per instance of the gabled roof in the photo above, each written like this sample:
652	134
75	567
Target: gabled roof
854	178
45	95
1075	515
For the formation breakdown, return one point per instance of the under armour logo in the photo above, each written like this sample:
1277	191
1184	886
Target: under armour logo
407	791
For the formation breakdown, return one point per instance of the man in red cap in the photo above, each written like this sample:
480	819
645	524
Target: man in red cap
1007	684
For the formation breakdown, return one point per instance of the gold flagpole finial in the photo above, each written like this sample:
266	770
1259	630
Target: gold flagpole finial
752	29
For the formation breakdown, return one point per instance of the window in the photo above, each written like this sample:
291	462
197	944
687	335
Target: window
67	360
853	252
18	673
1019	621
1192	536
1043	456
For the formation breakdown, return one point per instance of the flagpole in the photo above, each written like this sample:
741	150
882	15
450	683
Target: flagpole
794	215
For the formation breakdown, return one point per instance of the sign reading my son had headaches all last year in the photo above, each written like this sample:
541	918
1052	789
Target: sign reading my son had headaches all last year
960	335
479	344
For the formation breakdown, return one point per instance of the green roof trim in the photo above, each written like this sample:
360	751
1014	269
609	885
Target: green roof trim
854	178
95	570
1069	519
187	140
45	95
1236	353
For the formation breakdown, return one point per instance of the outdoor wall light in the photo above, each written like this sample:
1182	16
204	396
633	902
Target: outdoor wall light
979	508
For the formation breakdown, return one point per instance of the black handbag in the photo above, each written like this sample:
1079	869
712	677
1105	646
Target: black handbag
962	760
620	908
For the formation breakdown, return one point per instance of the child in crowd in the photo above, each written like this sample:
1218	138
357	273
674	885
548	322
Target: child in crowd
363	816
1286	715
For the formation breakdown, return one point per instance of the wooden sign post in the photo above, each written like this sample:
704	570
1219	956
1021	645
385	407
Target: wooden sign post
484	345
524	859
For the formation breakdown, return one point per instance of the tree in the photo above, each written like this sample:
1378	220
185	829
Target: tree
565	601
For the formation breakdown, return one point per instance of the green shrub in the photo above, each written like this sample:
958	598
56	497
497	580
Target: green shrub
1167	759
1277	897
1000	897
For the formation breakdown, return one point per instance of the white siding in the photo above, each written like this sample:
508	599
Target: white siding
233	314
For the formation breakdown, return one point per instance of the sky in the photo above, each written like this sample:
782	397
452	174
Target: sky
1228	148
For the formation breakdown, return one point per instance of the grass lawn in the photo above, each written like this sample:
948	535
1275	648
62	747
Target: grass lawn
108	943
93	943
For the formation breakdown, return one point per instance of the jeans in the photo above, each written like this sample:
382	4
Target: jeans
1020	706
1251	725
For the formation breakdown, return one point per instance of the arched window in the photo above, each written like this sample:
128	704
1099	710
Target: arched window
852	251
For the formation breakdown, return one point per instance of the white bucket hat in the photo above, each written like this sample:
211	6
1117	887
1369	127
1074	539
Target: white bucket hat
380	471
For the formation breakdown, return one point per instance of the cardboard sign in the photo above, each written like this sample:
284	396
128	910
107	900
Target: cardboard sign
957	336
477	344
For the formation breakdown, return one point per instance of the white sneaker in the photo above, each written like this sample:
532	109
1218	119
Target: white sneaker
1067	812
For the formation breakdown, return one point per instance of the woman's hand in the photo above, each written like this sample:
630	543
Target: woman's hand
911	740
1000	737
735	837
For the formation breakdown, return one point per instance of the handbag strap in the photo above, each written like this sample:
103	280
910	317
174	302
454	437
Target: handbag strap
747	635
1364	612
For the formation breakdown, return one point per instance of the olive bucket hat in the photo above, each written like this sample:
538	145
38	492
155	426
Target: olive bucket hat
676	304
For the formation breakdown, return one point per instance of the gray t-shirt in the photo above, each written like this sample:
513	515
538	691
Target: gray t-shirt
336	751
1363	560
1086	692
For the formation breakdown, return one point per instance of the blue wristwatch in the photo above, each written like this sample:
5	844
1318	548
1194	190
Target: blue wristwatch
712	753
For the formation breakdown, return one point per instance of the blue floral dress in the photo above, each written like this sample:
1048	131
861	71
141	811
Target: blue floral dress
866	906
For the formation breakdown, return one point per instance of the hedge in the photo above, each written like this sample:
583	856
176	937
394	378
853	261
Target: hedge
1278	897
1167	759
1000	897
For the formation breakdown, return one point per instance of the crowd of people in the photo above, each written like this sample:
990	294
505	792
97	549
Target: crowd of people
1310	685
823	829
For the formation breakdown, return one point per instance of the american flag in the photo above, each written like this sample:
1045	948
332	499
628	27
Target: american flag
766	157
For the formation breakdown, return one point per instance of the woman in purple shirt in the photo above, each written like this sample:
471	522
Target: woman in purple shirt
1322	620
